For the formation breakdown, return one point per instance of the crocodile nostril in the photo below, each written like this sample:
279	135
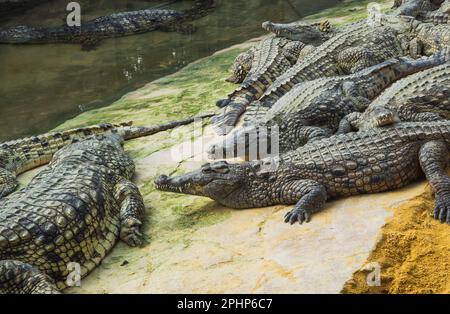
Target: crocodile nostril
161	179
222	103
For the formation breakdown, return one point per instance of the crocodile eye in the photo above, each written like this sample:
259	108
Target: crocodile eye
222	170
206	170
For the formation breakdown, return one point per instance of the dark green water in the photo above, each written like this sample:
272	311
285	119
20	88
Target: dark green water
41	86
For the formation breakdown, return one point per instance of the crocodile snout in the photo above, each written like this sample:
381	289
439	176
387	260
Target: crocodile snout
268	26
161	180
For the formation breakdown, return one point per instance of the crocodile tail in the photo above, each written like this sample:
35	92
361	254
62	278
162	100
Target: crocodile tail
130	132
254	114
225	121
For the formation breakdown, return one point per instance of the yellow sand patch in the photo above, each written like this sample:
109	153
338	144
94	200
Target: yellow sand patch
414	252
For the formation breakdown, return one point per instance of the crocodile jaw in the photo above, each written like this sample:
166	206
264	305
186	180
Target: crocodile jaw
250	142
19	35
378	117
216	180
295	31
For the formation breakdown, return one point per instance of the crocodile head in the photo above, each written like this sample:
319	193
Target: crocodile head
249	142
377	116
20	34
232	185
307	33
415	7
241	67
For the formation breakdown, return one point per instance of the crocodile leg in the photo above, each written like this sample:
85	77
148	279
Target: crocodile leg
8	182
347	124
90	43
132	210
311	197
434	160
304	135
21	278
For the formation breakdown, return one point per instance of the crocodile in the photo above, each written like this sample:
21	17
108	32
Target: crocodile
270	58
89	33
371	161
360	47
314	109
301	31
19	156
424	38
416	7
72	212
424	96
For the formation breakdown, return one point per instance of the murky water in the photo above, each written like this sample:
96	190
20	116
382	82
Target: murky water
43	85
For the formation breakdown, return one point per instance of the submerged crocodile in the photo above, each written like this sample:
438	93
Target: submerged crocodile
360	47
21	155
74	211
424	96
376	160
314	109
89	33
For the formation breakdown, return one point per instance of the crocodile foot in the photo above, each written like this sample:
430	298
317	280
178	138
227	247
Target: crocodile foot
297	214
442	208
129	232
21	278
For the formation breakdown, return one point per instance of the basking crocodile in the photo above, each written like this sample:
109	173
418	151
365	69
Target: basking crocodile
297	31
376	160
21	155
74	211
270	58
424	96
313	34
416	8
424	38
314	109
115	25
360	47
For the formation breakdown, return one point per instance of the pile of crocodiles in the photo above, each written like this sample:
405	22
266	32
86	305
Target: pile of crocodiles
363	108
90	33
323	112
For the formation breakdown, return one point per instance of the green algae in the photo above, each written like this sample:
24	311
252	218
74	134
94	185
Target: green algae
195	89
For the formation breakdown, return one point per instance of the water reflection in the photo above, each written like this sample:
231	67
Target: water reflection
43	85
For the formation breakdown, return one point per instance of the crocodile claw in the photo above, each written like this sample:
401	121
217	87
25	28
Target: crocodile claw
442	209
129	232
300	215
